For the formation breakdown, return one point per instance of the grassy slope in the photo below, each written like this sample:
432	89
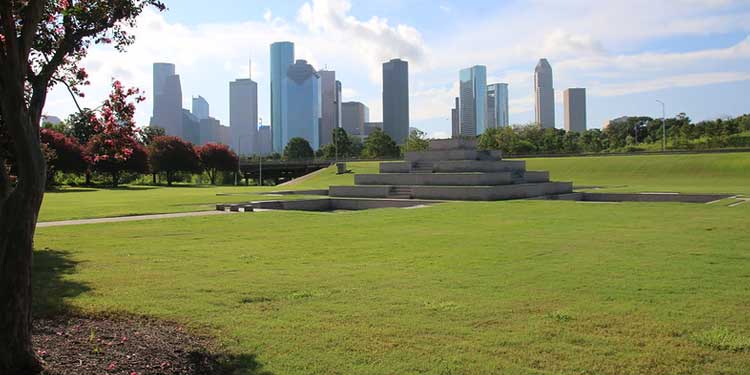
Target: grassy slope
695	173
84	203
515	287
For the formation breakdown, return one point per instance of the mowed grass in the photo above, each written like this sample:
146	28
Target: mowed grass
520	287
684	173
85	203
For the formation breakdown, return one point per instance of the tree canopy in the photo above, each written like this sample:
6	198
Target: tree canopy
379	145
298	149
216	157
171	155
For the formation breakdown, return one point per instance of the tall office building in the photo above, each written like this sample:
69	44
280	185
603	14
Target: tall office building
200	108
301	105
331	101
282	57
264	140
497	105
574	101
473	109
167	100
354	115
396	100
243	115
339	102
545	95
455	127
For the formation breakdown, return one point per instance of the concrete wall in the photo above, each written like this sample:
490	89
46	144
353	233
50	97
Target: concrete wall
395	167
461	166
445	179
359	191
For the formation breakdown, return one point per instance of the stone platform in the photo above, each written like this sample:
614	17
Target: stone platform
453	169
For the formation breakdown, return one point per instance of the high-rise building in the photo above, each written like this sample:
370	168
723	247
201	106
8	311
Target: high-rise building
282	57
301	105
243	115
574	102
160	73
473	109
331	101
455	127
354	115
396	100
168	106
497	105
265	140
190	128
200	108
545	95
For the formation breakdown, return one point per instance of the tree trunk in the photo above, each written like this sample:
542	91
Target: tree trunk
169	178
153	176
19	210
115	179
88	177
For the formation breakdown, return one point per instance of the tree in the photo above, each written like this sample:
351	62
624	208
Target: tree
417	141
341	146
298	149
216	157
82	125
380	145
42	42
170	155
149	133
116	133
70	156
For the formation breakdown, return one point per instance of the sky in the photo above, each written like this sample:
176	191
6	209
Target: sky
694	55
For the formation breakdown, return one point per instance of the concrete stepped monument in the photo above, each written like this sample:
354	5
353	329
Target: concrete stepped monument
453	169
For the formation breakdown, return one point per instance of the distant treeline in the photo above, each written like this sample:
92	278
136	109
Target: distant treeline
627	134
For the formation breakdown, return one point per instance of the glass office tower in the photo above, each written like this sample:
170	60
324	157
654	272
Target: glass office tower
497	105
282	57
473	97
301	107
396	100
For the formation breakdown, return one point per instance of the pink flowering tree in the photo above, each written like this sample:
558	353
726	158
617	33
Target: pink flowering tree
115	134
42	43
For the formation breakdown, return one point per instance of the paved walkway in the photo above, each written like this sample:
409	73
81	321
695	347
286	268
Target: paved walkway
127	218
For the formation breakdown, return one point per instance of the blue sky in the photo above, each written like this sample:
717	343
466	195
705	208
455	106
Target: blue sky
692	54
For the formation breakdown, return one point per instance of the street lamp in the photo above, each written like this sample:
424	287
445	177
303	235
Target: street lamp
663	126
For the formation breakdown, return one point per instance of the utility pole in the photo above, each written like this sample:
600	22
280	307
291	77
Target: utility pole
663	126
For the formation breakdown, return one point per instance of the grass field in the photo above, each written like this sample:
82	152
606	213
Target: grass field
521	287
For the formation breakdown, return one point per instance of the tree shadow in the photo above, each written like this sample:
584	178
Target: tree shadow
226	364
48	283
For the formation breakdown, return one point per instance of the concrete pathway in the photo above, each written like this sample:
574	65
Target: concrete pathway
128	218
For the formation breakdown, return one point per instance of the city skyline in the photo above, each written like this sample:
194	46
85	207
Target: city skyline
623	73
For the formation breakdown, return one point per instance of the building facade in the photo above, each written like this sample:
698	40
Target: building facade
497	105
396	100
455	120
473	101
265	140
167	112
301	105
282	57
243	115
200	108
331	103
545	95
354	115
574	102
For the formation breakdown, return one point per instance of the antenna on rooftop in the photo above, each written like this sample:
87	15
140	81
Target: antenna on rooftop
250	67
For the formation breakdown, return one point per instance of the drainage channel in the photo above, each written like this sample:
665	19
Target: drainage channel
325	204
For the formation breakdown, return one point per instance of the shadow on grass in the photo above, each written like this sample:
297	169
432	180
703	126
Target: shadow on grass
50	290
49	287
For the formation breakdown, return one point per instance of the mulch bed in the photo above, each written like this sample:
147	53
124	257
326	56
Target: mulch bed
131	346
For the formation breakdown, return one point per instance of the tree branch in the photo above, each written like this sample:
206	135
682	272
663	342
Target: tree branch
31	17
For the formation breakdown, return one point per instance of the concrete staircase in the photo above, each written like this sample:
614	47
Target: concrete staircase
400	192
453	169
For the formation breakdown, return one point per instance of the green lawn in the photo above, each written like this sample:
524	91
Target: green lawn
84	203
687	173
520	287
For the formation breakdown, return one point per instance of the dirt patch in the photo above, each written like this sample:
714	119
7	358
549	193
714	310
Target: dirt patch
131	346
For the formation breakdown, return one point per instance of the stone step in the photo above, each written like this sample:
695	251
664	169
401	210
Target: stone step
474	193
440	179
460	154
453	144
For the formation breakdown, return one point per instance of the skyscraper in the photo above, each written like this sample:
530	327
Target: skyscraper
167	100
497	105
455	127
264	140
545	95
473	109
354	115
330	97
282	57
396	100
200	108
574	101
243	115
301	105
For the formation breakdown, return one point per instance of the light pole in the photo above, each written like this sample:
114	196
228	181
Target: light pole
663	126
